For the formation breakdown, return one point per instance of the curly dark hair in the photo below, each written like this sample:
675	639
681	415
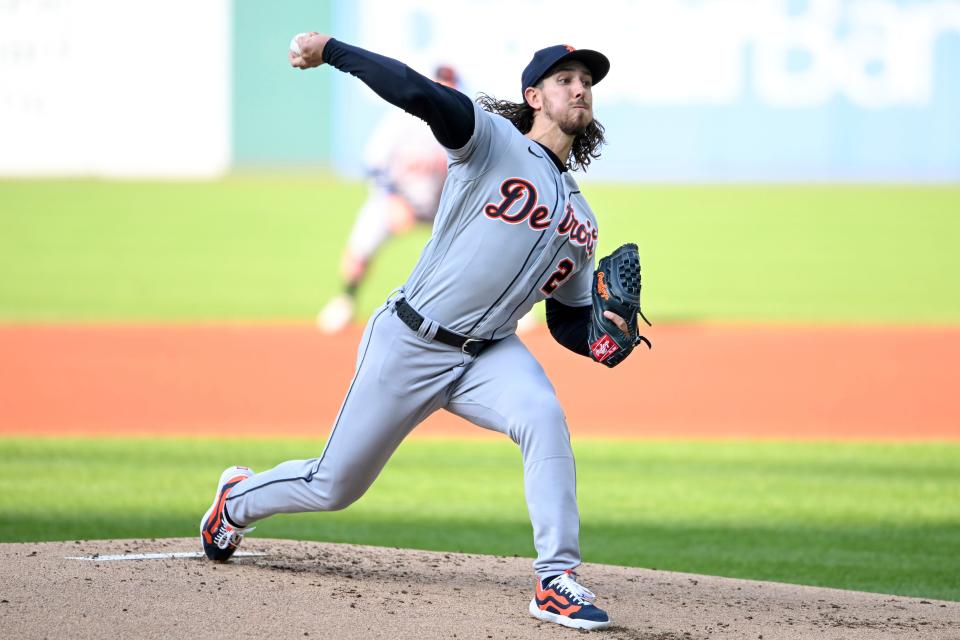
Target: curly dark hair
586	146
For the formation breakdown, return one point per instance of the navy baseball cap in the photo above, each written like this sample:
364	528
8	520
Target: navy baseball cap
546	59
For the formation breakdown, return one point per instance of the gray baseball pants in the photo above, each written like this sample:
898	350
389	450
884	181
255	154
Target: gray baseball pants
401	378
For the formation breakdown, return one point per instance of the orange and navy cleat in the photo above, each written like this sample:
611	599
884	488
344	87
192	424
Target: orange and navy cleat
560	599
220	538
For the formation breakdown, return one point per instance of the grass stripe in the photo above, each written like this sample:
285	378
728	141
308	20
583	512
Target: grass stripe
881	517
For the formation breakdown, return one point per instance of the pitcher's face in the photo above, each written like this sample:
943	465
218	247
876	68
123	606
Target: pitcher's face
568	97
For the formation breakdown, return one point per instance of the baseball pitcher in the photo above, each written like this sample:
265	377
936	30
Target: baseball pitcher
512	229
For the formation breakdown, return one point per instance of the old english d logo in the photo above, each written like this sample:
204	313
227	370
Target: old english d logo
519	204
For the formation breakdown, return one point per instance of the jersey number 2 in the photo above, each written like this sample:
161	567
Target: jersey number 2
564	269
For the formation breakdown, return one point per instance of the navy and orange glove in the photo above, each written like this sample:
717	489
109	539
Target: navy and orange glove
616	288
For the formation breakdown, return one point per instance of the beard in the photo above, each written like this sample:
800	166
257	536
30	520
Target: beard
574	126
571	122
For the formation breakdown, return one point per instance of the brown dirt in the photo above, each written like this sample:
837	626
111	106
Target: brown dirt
699	381
318	590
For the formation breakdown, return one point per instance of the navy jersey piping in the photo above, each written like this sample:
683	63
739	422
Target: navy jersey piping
309	478
509	286
553	216
537	281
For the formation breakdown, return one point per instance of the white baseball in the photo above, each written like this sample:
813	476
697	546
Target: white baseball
295	45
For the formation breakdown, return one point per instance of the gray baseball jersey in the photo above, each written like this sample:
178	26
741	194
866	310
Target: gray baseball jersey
511	229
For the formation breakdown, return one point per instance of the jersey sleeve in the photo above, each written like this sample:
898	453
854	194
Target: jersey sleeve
490	133
576	291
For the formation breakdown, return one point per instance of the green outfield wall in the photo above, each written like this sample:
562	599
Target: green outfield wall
270	126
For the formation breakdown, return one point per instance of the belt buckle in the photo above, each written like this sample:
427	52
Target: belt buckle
466	343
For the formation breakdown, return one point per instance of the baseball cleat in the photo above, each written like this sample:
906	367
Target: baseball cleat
560	599
336	315
220	538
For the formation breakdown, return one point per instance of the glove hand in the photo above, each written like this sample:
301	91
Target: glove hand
616	306
625	328
617	320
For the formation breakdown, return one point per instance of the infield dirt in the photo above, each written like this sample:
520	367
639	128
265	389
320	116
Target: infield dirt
319	590
698	381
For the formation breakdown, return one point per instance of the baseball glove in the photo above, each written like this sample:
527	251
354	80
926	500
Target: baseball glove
616	288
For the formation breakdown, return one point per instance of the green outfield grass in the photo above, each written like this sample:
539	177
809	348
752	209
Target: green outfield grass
267	248
875	517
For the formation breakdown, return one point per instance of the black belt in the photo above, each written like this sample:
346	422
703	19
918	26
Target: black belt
410	317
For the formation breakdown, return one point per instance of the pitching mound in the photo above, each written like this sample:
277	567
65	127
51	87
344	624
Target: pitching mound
302	590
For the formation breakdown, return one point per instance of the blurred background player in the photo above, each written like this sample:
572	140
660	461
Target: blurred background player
406	168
